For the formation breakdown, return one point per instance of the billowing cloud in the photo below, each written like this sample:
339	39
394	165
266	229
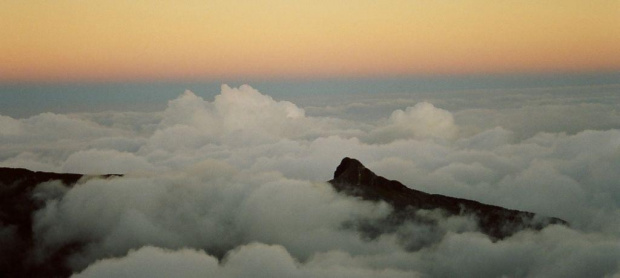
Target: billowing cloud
9	126
421	121
211	185
210	206
236	114
44	141
102	162
252	260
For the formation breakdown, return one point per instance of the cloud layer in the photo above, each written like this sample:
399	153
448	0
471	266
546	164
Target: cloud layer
212	187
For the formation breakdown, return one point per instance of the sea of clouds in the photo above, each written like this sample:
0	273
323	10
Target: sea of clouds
235	186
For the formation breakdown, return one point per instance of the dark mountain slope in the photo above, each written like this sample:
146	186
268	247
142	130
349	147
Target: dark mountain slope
17	206
353	178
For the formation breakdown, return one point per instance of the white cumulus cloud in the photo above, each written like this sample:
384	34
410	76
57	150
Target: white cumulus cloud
235	186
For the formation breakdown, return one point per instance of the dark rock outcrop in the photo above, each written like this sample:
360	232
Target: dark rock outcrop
17	242
353	178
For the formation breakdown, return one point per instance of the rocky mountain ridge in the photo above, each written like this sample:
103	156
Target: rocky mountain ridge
353	178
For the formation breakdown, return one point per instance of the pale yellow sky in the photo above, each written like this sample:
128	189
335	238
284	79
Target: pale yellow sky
127	40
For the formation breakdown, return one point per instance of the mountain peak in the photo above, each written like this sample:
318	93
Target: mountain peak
352	171
353	178
346	164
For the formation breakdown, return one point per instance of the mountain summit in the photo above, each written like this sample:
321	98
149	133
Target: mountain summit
353	178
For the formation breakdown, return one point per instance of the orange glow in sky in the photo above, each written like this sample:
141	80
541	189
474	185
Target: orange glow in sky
143	40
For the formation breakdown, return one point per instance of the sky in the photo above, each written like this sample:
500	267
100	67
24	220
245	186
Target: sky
228	117
211	40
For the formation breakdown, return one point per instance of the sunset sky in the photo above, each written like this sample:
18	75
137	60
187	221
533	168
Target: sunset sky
195	40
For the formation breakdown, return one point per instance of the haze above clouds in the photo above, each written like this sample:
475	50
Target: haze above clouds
236	185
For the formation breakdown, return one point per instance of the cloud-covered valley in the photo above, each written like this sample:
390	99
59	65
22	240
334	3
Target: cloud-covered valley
235	186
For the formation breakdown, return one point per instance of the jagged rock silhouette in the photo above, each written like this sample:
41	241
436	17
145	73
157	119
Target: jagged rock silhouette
353	178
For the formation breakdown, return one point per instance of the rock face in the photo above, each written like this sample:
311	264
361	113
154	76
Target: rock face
17	242
353	178
17	206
